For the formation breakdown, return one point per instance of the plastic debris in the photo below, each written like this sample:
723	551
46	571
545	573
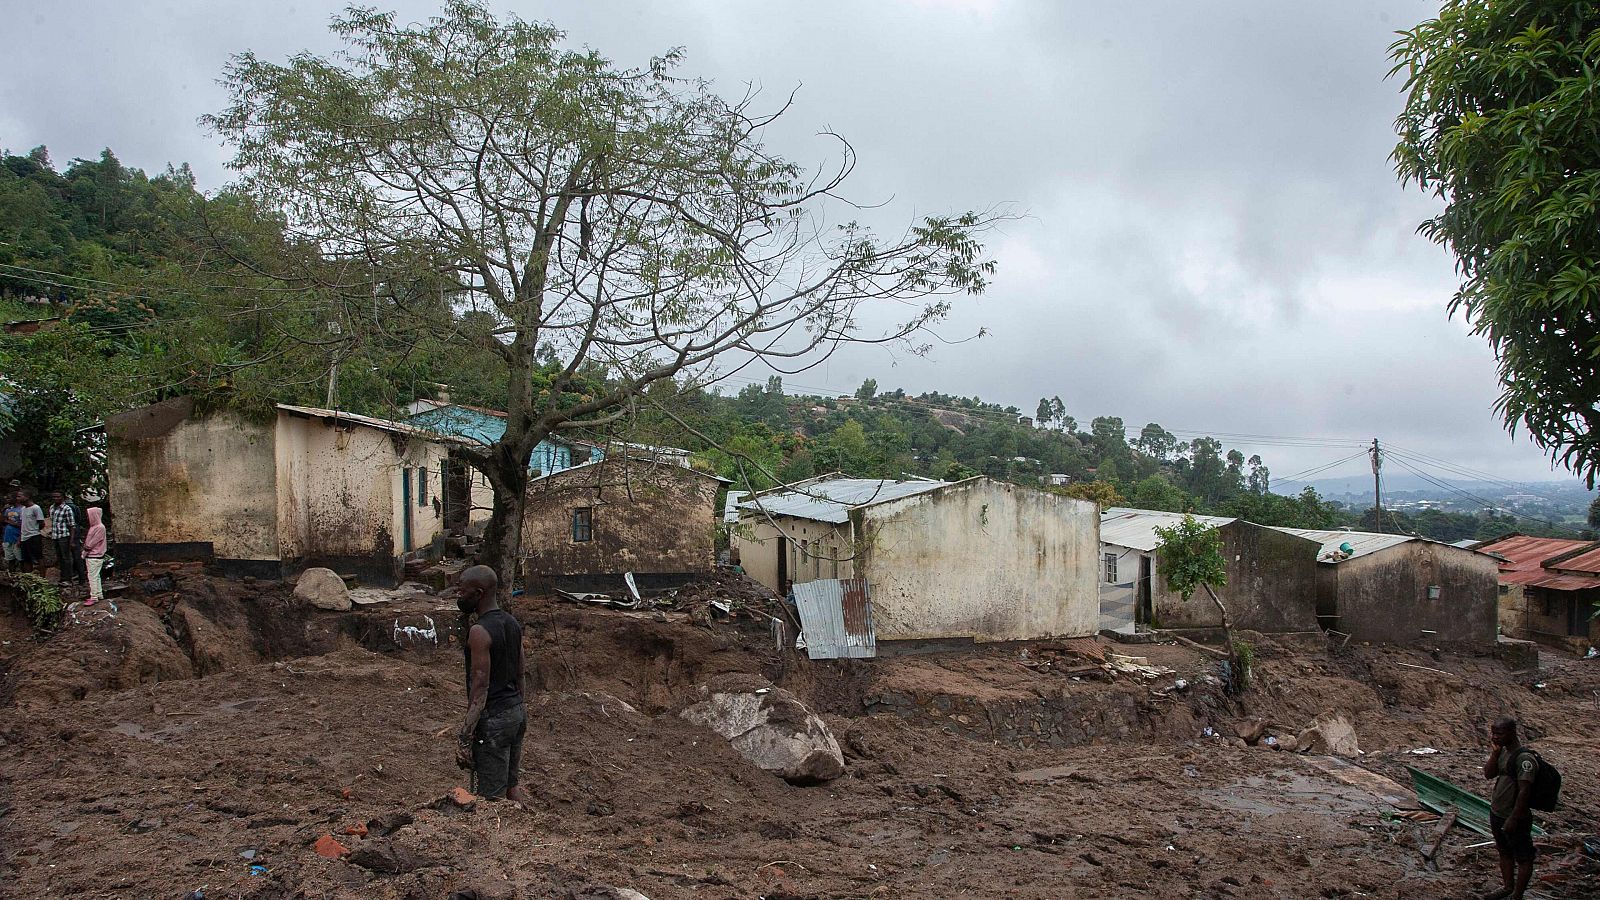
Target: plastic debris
258	871
1208	731
1423	751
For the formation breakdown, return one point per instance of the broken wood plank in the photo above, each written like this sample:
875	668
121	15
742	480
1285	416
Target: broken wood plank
1439	833
1196	645
1426	669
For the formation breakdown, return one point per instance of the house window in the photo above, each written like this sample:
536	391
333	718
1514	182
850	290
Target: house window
583	524
422	486
816	563
805	554
834	552
1111	568
1505	589
1553	606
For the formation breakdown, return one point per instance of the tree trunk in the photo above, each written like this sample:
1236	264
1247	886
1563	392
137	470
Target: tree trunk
502	538
1237	675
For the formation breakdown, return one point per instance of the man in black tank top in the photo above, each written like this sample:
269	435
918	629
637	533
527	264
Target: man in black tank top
490	743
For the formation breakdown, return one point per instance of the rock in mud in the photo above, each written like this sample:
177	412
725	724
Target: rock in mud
383	855
769	727
324	589
1330	733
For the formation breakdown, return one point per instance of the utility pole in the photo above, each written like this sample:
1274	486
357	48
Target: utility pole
1377	489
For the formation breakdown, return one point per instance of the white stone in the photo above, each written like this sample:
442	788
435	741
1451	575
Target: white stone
774	731
323	588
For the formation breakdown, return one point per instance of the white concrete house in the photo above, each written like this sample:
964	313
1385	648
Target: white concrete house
305	487
978	559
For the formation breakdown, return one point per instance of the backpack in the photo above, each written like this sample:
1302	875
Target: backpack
1544	795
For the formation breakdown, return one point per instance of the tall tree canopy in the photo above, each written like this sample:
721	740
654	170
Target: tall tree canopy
482	182
1501	122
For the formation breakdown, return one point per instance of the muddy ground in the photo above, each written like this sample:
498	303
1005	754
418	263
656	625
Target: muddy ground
212	727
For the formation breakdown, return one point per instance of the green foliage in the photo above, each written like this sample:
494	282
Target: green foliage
41	600
1101	492
1191	556
1500	123
1244	656
1156	492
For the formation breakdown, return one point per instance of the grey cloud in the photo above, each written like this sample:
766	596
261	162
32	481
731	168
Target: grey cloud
1214	237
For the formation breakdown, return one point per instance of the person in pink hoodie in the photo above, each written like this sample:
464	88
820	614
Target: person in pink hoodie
94	554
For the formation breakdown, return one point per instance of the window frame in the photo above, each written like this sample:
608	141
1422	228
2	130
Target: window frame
1109	567
582	524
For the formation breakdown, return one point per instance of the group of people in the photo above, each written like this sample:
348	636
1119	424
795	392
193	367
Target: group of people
80	552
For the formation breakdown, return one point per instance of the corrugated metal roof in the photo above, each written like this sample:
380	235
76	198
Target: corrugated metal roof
1135	529
1361	542
831	500
836	619
335	415
1524	561
1586	562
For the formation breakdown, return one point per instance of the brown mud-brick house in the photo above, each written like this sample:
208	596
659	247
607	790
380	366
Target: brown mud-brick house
1549	589
271	496
1272	576
1397	588
592	523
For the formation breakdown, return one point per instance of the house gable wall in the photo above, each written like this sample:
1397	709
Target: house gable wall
179	479
645	518
981	559
1271	585
1383	596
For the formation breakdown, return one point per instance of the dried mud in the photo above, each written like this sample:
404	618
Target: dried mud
218	729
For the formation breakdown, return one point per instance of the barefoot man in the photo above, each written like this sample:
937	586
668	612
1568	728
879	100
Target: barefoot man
490	742
1513	772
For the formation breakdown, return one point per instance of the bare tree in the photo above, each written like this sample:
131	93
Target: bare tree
470	179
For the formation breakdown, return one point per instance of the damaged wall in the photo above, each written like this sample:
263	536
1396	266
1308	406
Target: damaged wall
1383	596
342	500
179	481
981	559
643	517
813	549
1271	584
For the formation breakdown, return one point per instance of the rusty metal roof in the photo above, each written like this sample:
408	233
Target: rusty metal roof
836	618
1560	564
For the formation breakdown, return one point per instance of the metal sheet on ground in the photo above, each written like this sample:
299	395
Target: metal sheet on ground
836	618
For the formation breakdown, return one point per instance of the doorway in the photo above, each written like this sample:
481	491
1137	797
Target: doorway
1142	613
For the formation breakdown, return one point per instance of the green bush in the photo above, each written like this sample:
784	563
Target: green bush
42	601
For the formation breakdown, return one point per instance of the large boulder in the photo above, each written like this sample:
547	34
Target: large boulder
324	589
770	727
1330	734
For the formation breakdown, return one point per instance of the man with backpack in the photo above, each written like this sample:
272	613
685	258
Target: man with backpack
1514	769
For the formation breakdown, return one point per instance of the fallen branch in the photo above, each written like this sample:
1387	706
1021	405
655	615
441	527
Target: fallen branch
1197	645
1426	669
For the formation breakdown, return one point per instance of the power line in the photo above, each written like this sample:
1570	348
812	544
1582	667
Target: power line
1487	504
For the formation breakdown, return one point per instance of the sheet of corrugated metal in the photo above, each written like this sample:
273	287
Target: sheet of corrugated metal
836	618
832	500
1136	528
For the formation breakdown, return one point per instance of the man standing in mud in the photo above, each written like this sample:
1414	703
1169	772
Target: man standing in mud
1513	772
490	742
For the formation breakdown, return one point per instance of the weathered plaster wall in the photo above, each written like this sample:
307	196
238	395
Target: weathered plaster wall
176	478
1514	611
1552	629
813	547
646	518
1271	587
1383	596
982	559
340	498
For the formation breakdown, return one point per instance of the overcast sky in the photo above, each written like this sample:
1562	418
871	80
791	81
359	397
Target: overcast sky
1213	236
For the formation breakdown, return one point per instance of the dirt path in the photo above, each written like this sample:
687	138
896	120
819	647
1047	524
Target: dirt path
162	789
